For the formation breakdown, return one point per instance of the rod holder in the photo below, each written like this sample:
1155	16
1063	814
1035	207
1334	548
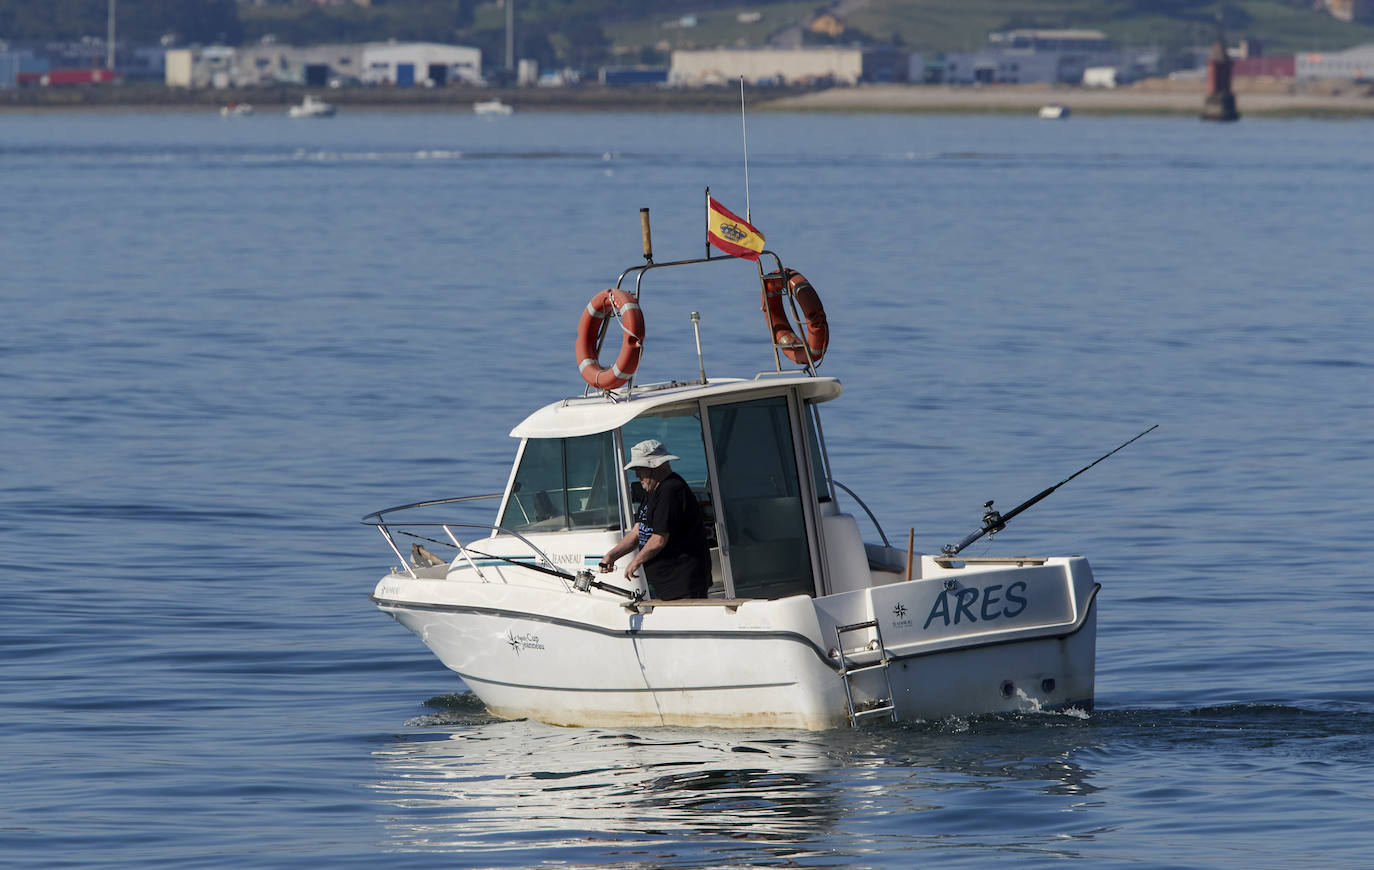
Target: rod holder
910	551
646	236
696	329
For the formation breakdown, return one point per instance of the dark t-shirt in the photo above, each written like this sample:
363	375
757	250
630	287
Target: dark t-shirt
682	569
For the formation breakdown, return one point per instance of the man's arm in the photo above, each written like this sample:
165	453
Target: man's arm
650	549
626	544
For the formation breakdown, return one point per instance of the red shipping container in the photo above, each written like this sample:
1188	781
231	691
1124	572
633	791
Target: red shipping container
57	77
1280	66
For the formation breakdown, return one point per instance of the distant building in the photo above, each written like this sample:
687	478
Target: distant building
424	63
1347	10
1039	57
992	67
1352	64
211	66
1052	40
786	66
826	24
621	76
377	63
16	62
313	65
144	64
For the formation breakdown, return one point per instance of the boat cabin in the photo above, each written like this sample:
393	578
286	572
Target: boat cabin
753	452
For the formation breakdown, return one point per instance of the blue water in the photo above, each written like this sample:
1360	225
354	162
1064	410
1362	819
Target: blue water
226	340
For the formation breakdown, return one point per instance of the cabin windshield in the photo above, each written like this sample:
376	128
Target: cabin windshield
564	483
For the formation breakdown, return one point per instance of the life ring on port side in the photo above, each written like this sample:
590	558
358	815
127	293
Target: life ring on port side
776	286
603	305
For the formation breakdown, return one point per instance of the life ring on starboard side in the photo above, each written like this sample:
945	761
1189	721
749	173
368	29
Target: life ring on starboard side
601	306
777	285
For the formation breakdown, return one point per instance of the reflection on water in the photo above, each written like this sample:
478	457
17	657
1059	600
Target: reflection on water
664	796
523	784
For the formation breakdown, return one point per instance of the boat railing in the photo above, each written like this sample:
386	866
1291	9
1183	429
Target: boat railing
391	528
871	517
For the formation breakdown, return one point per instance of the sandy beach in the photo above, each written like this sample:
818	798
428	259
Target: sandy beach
1146	98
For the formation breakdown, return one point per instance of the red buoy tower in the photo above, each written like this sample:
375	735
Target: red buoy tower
1220	104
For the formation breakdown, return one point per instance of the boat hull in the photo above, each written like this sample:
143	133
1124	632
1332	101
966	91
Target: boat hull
536	650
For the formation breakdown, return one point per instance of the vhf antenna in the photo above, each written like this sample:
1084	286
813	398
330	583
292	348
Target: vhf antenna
744	134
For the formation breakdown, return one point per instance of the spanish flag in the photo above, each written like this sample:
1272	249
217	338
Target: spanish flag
730	233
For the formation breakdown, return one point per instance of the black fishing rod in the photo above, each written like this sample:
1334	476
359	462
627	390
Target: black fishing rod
582	580
994	522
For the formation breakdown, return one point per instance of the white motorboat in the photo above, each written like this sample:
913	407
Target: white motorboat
1054	112
236	110
806	624
492	107
312	107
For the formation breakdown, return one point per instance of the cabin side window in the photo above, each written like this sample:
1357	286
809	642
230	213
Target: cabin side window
680	432
761	499
564	483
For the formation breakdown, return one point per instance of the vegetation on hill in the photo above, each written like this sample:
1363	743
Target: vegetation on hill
588	33
142	22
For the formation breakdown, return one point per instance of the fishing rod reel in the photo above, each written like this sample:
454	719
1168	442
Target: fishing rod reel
992	520
992	524
586	582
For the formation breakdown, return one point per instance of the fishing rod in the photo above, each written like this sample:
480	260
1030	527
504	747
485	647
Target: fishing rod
583	581
994	521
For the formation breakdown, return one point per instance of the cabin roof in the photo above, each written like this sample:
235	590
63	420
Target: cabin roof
588	415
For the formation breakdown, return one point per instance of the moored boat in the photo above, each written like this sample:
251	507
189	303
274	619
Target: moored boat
1054	112
492	107
806	624
312	107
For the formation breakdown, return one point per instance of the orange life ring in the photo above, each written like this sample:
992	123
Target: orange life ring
603	304
777	285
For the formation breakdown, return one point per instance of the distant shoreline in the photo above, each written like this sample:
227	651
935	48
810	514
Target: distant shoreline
1142	99
1148	98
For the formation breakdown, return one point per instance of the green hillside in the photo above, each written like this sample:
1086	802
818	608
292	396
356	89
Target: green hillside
588	33
964	25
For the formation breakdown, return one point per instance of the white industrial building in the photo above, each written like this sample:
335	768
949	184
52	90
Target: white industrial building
209	67
420	63
766	66
313	65
1353	63
377	63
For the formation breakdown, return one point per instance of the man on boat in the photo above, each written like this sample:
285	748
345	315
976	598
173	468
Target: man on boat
670	534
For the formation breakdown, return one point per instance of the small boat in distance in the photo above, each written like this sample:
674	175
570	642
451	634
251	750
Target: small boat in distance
805	623
492	107
1054	112
236	110
311	107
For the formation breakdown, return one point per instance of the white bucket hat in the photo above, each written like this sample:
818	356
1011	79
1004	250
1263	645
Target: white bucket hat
649	454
